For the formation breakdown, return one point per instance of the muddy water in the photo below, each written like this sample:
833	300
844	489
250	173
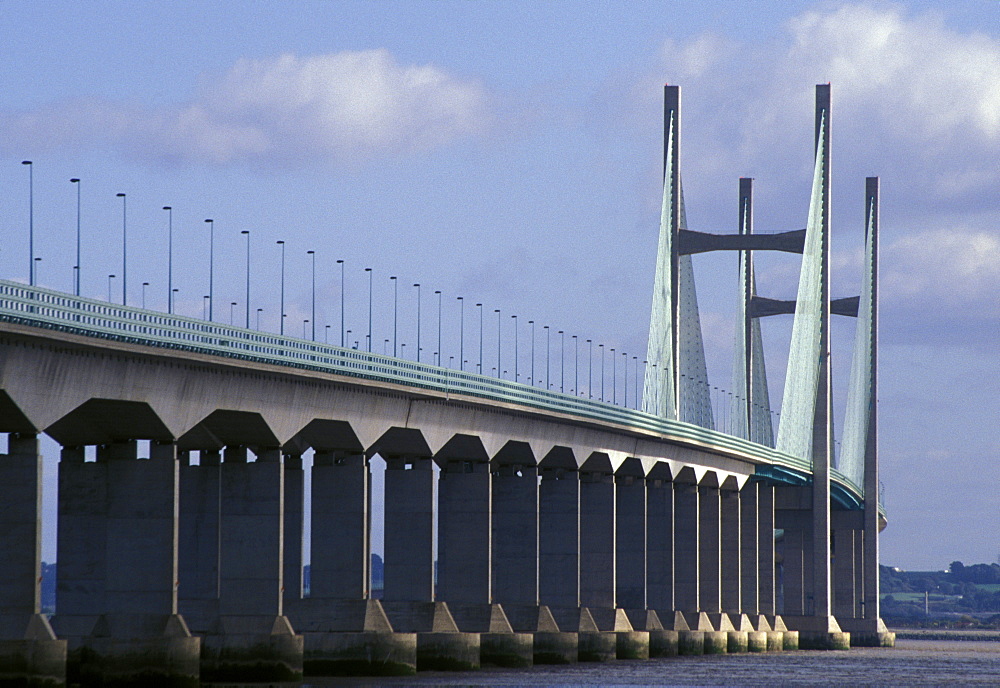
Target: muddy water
910	663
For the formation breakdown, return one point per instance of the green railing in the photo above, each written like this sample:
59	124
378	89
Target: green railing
50	309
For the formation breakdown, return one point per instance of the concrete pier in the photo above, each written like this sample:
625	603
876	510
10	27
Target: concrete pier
515	534
340	550
30	654
559	538
409	529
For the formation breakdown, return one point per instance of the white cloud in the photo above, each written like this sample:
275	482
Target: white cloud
339	107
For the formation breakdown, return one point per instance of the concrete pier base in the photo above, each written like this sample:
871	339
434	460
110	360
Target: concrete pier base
440	644
737	642
664	643
660	643
129	650
555	647
36	659
690	642
868	632
351	638
716	642
252	649
367	653
597	646
818	633
499	645
756	641
632	645
550	645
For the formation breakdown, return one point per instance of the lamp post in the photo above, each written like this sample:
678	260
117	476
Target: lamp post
369	271
124	252
395	311
173	294
439	353
232	312
341	264
247	297
601	347
211	268
281	311
170	258
38	264
497	311
204	306
259	311
480	306
110	279
576	366
548	340
590	368
417	285
144	285
348	338
515	348
531	379
625	356
461	333
326	334
76	280
304	323
614	390
385	347
31	222
562	362
635	393
312	254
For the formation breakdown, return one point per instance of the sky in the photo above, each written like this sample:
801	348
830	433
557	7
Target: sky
510	153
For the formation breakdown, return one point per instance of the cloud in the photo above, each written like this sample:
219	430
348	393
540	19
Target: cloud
340	107
909	93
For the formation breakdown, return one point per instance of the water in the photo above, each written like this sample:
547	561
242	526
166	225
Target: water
910	663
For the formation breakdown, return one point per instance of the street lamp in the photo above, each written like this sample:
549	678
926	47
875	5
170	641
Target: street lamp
417	285
531	380
601	347
313	254
304	323
635	394
369	271
480	307
439	357
31	222
144	285
110	278
576	365
625	356
259	311
173	294
76	281
614	381
204	306
395	305
281	312
170	257
590	369
515	348
548	339
211	267
326	334
124	253
247	233
341	264
38	264
562	362
461	334
232	314
497	311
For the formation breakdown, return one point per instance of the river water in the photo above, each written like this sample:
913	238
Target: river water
910	663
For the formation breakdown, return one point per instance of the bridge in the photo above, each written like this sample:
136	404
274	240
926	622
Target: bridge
521	524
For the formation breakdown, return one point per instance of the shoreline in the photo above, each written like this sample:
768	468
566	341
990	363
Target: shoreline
977	635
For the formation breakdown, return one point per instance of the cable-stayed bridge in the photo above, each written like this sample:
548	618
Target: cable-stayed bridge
522	523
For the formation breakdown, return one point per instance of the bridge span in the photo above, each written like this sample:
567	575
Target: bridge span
567	528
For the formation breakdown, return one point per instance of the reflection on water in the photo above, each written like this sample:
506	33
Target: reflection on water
911	663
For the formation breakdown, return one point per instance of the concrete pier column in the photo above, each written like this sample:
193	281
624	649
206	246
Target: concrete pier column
294	525
252	636
409	529
340	549
844	574
464	534
709	540
29	651
686	548
660	544
515	535
198	565
766	566
559	538
124	567
630	537
730	552
597	541
793	578
252	534
749	550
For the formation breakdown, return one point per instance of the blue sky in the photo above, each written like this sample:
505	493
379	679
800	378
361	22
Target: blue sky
510	153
